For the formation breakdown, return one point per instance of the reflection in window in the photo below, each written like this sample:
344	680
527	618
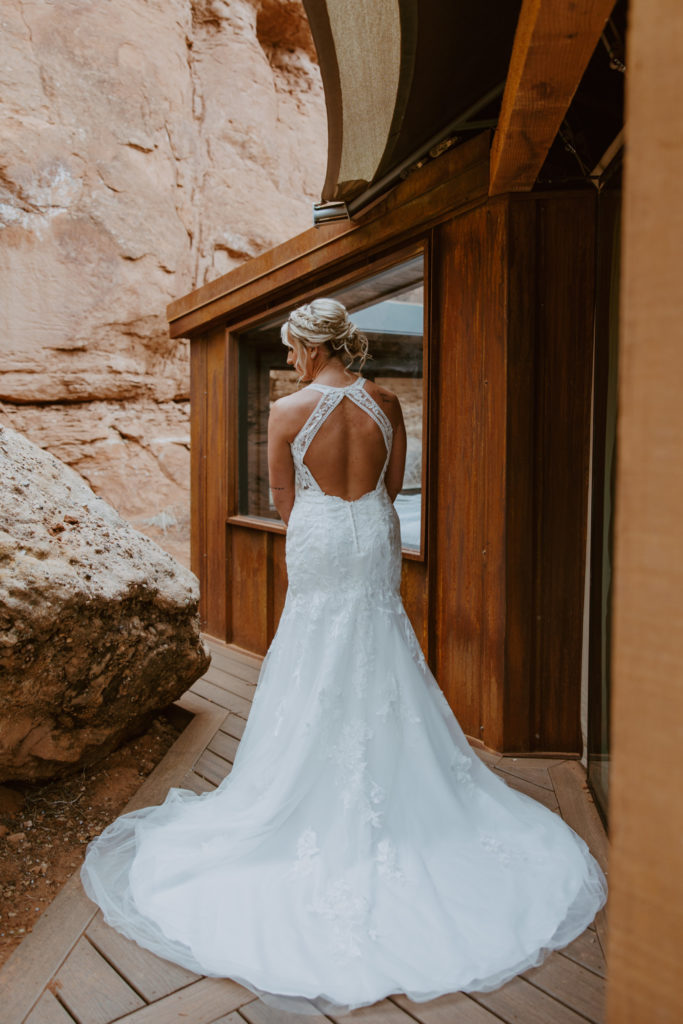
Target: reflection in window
389	309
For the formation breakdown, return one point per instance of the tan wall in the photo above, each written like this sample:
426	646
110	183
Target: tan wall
645	941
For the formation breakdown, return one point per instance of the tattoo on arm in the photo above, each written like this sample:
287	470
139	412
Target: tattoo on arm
277	488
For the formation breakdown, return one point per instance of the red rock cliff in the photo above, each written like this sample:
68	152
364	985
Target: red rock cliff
147	146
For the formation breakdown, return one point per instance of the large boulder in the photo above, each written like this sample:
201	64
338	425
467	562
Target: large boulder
98	625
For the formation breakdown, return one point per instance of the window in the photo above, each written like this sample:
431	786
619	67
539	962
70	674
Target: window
389	308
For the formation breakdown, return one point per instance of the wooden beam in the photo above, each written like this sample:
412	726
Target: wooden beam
553	44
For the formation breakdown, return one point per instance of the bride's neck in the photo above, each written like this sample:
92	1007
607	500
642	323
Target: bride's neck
333	371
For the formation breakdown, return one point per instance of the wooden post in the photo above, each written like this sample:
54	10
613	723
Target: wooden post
646	864
515	280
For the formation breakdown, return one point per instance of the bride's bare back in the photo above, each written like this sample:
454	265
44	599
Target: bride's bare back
348	451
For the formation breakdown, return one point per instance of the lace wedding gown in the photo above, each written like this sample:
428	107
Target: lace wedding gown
359	847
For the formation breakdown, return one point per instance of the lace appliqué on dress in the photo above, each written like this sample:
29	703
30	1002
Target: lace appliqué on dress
306	850
461	766
360	794
366	402
411	640
304	478
347	912
385	858
506	854
349	754
388	696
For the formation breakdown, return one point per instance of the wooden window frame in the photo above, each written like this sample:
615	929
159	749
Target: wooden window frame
369	266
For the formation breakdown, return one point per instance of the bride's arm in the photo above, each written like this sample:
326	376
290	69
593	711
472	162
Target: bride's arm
280	463
393	478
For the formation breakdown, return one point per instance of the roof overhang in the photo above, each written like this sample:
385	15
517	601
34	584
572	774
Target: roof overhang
402	77
405	80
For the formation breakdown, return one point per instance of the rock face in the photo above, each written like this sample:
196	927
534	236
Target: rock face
146	146
98	625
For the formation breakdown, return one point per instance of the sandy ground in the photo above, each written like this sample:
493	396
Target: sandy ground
44	829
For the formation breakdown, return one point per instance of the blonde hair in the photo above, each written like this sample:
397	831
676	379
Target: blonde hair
326	322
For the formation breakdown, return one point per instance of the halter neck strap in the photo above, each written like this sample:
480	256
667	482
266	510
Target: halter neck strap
358	383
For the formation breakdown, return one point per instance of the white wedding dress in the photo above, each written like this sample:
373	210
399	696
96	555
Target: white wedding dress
359	847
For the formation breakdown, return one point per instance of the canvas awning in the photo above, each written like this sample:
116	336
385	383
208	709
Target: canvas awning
403	76
405	79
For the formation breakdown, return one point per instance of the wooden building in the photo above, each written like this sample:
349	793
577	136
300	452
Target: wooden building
505	303
494	582
496	291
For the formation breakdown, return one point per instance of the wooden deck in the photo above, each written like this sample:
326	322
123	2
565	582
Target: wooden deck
74	969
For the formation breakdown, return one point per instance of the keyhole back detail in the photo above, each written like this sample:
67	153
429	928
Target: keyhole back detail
330	400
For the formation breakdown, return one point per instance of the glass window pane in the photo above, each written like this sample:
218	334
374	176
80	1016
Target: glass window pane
389	308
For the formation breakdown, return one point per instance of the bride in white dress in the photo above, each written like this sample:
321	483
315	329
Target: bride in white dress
359	847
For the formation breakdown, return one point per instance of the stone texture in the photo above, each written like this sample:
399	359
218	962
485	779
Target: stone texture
146	146
139	452
98	625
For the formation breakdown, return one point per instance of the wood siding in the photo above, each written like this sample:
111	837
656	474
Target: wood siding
515	342
208	478
564	336
471	290
497	602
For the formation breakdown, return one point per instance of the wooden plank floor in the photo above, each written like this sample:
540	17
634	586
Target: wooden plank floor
74	969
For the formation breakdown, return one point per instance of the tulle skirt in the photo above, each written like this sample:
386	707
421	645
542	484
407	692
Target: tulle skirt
359	847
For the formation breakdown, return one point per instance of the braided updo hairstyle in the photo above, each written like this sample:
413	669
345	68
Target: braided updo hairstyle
326	322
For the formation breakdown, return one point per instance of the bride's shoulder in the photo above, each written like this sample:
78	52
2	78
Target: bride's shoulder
387	401
290	412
